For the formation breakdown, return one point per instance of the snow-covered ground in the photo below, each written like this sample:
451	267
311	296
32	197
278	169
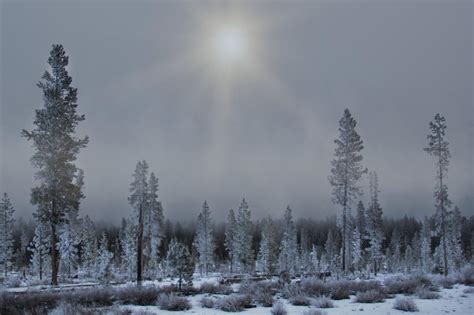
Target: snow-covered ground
451	301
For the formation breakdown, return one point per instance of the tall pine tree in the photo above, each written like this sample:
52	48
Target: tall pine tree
56	149
346	172
438	148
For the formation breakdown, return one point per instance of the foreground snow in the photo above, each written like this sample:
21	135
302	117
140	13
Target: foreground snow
451	301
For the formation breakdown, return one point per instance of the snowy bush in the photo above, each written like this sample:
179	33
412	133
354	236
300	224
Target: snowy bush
32	303
340	290
468	290
314	287
300	300
426	294
467	275
323	302
137	296
402	285
364	286
234	303
207	302
215	288
405	304
69	309
279	309
371	296
264	298
172	302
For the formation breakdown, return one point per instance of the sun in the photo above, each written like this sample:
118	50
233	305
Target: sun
230	44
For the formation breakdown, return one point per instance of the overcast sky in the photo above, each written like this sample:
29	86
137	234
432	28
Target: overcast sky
263	131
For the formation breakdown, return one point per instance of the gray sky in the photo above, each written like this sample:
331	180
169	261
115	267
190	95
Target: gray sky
151	89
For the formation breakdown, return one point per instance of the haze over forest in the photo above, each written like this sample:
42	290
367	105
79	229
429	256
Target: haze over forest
270	136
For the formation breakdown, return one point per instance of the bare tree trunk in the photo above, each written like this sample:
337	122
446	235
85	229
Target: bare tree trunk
140	247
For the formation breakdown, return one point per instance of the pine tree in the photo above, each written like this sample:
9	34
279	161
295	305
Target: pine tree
56	149
356	248
374	224
408	259
153	226
438	147
455	251
128	243
288	246
39	248
416	247
104	263
331	250
268	250
396	250
231	238
315	262
6	233
425	248
204	240
180	263
243	238
138	199
346	172
89	246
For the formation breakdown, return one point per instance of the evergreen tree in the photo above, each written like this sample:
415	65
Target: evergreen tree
396	250
243	238
139	201
268	251
346	171
356	248
204	240
6	233
104	263
153	235
89	246
231	238
128	243
425	250
331	250
288	247
315	262
39	248
56	149
455	251
374	224
438	148
180	263
408	259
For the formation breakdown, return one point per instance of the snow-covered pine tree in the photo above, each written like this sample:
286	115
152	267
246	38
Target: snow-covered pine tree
315	262
356	249
268	251
287	260
204	240
104	263
180	263
396	250
243	238
39	248
374	224
89	246
6	233
138	199
153	227
129	248
416	247
425	247
455	251
438	147
346	172
231	239
408	259
56	149
305	264
331	252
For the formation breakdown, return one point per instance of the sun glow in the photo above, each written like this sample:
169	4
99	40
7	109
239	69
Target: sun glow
230	44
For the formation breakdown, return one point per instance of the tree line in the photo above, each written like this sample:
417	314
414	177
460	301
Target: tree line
146	245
